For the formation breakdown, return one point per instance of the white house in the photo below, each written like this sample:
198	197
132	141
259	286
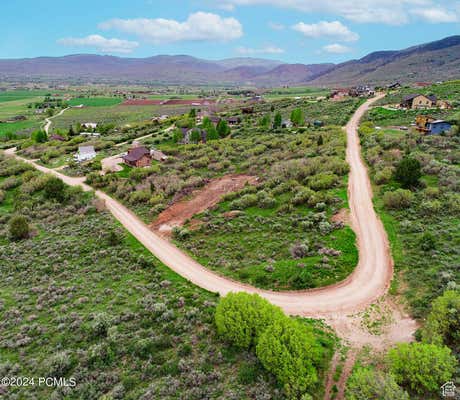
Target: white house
90	125
85	153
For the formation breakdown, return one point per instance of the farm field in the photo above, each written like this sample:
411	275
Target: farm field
14	95
95	101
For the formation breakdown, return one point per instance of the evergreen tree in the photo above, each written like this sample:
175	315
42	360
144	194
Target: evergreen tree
222	128
408	172
277	121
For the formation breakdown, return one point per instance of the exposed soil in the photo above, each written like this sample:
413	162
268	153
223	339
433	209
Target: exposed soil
342	216
199	201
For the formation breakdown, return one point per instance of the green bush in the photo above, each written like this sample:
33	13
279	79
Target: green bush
54	188
421	367
408	172
290	351
398	199
241	318
366	384
443	322
19	227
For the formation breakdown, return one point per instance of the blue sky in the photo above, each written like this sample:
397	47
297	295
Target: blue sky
305	31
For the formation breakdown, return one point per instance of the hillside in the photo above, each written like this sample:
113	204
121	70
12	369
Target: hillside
439	60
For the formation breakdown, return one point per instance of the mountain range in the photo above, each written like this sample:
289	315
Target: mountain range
438	60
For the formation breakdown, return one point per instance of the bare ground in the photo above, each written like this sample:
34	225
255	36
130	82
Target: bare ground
201	200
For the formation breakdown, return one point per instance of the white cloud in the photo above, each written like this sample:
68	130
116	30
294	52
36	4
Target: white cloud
199	26
336	48
435	15
334	29
263	50
276	26
101	43
392	12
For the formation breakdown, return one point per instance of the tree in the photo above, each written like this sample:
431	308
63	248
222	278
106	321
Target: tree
443	322
320	140
18	227
192	113
71	131
277	121
195	136
177	135
222	128
408	172
40	136
297	117
212	133
241	318
264	122
54	189
369	384
289	350
421	367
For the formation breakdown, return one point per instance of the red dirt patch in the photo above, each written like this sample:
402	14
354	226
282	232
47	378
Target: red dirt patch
201	200
342	216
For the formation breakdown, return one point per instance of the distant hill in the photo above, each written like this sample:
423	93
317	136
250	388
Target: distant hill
439	60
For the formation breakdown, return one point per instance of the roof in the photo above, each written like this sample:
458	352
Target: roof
413	96
136	154
439	121
86	149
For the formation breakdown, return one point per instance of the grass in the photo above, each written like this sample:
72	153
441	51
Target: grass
14	95
13	128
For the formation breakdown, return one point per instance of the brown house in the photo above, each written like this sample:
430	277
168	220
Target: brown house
422	121
138	157
416	101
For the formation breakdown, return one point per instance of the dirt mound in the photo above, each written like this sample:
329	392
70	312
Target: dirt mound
201	200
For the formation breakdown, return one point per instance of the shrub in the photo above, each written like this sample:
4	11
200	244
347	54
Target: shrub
421	367
100	325
54	188
19	227
299	250
398	199
248	200
289	350
59	364
302	196
443	322
383	176
432	207
427	242
365	383
2	196
408	172
241	318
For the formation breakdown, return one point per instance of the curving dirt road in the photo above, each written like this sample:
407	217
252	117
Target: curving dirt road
368	282
48	121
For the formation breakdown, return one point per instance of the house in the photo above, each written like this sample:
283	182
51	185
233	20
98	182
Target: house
138	156
57	137
94	134
85	153
444	105
415	101
421	122
247	110
232	121
286	123
449	390
361	91
395	85
158	155
317	123
339	94
90	125
437	127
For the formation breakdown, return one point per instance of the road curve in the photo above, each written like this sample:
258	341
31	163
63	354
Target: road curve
369	281
48	121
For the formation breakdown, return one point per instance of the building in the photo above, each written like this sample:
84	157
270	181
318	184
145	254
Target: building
362	91
158	155
286	123
444	105
339	94
421	122
85	153
232	121
138	156
395	85
90	125
416	101
437	127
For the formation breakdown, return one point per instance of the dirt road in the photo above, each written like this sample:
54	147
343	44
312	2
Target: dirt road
48	121
335	303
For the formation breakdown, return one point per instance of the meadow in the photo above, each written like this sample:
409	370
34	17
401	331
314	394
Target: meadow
95	101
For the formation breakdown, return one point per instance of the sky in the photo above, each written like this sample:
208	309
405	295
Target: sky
294	31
